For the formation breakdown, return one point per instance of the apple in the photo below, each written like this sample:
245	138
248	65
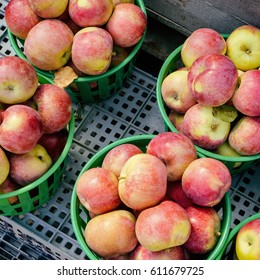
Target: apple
175	91
203	128
119	54
202	41
8	186
118	228
90	12
205	229
212	79
205	181
20	18
65	17
174	253
174	149
20	129
54	106
48	8
97	190
48	44
115	159
243	47
142	181
28	167
14	88
92	50
176	119
244	136
4	166
127	24
246	98
162	226
247	242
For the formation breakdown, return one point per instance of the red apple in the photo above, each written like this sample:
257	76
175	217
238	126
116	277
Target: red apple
212	79
205	181
175	150
163	226
18	80
176	119
65	17
54	106
119	54
9	186
20	129
127	24
4	166
142	181
97	190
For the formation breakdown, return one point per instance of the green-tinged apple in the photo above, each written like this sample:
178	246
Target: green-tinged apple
212	79
14	88
244	136
20	129
9	186
205	181
243	47
246	98
118	228
205	229
163	226
92	50
48	8
203	128
97	190
20	18
142	181
48	44
175	150
247	243
175	91
201	42
176	119
28	167
4	166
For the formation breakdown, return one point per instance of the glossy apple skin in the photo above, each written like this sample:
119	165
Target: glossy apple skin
48	44
4	166
246	98
243	47
203	128
175	91
132	21
205	181
174	149
90	12
142	181
118	227
205	229
212	79
97	190
20	18
117	157
20	129
174	253
201	42
48	8
92	50
245	135
54	107
163	226
7	186
28	167
14	88
247	242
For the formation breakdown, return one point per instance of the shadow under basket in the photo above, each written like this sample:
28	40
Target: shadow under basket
80	216
40	191
92	89
234	164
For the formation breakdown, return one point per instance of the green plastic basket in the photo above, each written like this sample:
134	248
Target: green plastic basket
80	216
40	191
234	164
93	88
228	250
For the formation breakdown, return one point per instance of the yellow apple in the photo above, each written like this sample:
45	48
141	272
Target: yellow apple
4	166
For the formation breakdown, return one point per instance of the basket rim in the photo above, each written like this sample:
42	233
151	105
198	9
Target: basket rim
75	204
161	106
50	74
